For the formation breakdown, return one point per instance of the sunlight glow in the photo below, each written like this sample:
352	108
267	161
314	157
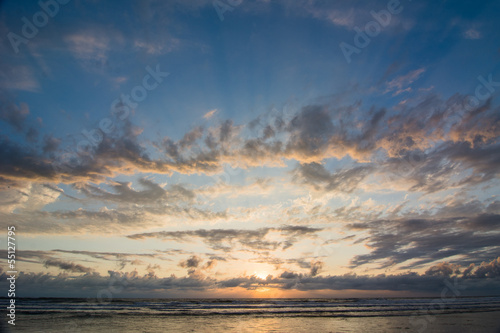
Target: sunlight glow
261	275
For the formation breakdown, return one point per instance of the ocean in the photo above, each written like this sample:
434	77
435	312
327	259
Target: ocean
465	314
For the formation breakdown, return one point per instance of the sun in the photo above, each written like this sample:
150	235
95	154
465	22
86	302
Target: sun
261	275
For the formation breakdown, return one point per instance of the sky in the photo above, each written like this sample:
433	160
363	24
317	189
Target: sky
259	148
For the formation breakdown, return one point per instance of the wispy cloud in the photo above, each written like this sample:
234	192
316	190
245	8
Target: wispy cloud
223	239
18	77
403	83
89	45
418	240
210	114
472	34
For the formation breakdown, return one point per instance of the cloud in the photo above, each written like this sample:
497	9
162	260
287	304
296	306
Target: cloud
50	144
310	131
28	197
210	114
67	266
31	135
121	258
443	269
345	180
472	34
488	269
119	220
449	138
117	255
31	256
451	164
335	13
163	46
88	45
428	282
191	262
89	284
136	209
316	267
131	284
344	18
13	114
18	77
418	241
224	239
124	193
48	259
210	264
308	264
401	83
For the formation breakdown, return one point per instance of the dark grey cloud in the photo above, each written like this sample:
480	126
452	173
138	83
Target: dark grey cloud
195	265
14	115
50	144
23	163
482	280
49	259
151	194
316	175
31	256
120	258
310	131
210	264
31	135
226	130
433	281
191	262
425	240
115	153
124	193
316	267
190	138
67	266
89	284
437	169
443	269
488	269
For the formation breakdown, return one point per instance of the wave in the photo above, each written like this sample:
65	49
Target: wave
75	307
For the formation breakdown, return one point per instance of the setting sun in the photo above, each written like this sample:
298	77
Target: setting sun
261	275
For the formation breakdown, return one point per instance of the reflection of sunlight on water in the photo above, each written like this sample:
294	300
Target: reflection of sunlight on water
460	322
258	326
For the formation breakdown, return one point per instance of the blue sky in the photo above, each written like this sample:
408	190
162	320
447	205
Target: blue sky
260	159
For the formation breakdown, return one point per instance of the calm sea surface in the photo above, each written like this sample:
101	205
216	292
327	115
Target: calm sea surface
481	314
